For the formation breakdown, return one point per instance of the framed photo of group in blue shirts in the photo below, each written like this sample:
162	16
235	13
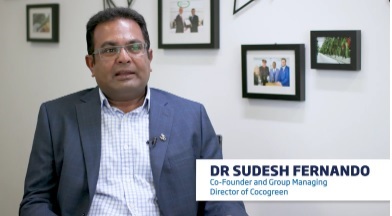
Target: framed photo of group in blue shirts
273	71
188	24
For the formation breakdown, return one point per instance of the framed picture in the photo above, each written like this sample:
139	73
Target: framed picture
42	22
273	71
188	24
337	50
116	3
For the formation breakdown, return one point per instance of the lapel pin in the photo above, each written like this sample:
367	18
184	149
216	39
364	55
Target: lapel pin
162	137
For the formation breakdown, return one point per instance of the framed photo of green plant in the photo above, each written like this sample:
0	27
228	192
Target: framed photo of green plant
336	50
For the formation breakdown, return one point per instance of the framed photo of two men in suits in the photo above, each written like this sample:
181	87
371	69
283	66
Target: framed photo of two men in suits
188	24
273	71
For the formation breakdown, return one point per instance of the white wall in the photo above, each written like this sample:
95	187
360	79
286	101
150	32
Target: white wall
345	115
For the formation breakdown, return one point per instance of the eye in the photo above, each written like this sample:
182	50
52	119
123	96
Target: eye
109	50
135	47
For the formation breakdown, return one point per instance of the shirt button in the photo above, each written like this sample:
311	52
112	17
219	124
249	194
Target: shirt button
125	147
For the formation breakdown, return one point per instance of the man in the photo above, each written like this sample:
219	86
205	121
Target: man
284	74
273	72
179	21
264	72
256	76
121	148
194	21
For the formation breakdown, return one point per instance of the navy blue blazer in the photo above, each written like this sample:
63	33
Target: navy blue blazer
64	163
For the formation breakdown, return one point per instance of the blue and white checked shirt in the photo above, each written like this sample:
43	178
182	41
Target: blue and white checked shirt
125	184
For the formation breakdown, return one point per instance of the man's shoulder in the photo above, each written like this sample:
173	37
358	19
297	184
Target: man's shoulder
70	99
164	96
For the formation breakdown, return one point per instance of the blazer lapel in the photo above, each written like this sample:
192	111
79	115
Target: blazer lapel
89	120
161	119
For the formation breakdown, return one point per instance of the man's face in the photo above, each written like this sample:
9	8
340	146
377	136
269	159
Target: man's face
124	74
180	10
283	63
193	12
273	65
263	63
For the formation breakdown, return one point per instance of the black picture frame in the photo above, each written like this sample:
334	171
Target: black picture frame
205	36
113	4
283	84
236	10
42	21
329	50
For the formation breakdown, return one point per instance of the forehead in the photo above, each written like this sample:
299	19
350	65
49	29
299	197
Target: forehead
117	31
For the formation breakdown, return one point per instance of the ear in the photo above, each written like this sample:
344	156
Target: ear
90	63
149	53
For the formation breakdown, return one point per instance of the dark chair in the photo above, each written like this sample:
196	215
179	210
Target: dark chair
220	140
200	211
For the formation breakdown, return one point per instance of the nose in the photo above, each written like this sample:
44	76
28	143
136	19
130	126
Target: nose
123	56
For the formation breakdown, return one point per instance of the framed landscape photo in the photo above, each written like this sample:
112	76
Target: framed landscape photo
188	24
336	50
42	22
273	71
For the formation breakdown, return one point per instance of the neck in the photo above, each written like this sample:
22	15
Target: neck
127	105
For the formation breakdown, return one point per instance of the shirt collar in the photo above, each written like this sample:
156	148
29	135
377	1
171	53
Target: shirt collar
105	102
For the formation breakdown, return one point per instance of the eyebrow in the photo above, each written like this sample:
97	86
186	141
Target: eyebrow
112	43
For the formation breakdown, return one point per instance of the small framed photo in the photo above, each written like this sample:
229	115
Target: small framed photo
188	24
273	71
336	50
42	22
